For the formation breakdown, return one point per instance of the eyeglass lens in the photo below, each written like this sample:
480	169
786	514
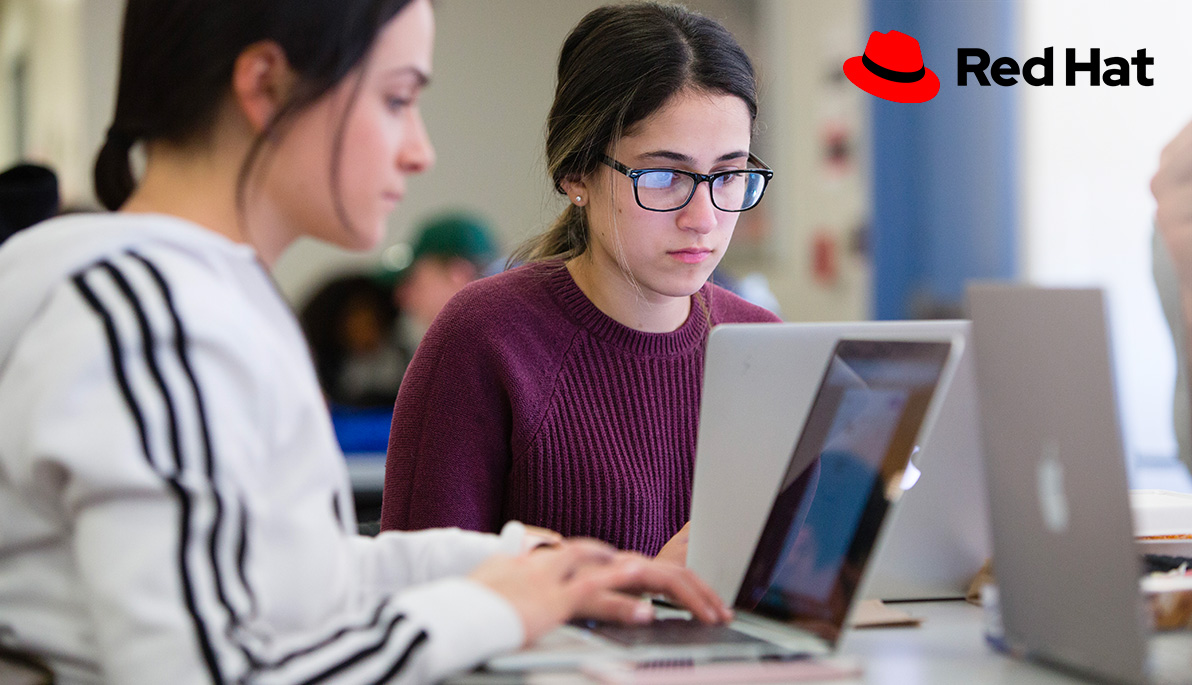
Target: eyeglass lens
733	192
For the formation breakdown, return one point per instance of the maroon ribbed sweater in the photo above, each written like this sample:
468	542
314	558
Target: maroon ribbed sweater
525	401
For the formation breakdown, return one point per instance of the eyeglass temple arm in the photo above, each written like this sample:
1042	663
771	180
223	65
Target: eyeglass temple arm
754	159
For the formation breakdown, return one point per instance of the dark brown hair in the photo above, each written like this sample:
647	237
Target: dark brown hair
621	64
176	68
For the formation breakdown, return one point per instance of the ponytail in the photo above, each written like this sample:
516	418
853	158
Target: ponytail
113	170
565	239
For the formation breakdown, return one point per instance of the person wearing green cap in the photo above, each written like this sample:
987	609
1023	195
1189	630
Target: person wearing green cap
450	251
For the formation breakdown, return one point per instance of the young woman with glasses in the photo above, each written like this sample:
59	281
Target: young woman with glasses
173	505
565	393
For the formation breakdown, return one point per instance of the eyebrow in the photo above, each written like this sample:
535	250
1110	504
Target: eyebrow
687	159
421	77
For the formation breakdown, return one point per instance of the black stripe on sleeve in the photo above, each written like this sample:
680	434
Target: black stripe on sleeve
117	355
377	646
241	560
331	639
405	656
182	347
148	344
109	327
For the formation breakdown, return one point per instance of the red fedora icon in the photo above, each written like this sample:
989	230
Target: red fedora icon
892	69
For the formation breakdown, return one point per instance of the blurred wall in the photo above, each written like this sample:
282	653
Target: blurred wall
41	65
486	109
486	112
815	132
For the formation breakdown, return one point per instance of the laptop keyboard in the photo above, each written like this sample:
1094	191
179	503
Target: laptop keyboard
670	631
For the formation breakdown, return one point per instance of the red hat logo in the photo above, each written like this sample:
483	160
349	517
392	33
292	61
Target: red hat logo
892	69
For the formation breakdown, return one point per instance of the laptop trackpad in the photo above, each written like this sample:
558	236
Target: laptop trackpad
671	631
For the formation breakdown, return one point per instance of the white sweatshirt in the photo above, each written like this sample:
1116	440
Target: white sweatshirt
173	504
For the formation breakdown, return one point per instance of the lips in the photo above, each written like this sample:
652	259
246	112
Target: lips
691	255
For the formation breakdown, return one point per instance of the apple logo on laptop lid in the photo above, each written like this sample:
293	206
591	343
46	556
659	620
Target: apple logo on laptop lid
1053	501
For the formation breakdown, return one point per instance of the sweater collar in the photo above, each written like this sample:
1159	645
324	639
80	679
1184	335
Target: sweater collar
588	315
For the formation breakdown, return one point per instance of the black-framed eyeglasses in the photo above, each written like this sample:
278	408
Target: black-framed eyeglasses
669	190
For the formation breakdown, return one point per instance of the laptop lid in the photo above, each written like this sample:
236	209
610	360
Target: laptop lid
759	382
843	472
871	402
1062	536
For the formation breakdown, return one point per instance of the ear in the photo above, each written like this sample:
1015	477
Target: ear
261	82
575	187
461	272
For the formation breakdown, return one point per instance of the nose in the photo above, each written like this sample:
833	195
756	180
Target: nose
699	215
416	154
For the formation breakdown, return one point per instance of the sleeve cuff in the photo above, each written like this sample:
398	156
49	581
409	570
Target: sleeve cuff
467	624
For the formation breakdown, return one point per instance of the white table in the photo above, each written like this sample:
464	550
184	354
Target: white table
947	648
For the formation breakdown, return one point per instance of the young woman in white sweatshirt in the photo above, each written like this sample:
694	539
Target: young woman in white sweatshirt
173	505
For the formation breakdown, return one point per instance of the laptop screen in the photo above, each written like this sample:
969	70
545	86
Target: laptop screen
845	469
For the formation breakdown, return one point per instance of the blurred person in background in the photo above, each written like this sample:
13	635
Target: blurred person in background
28	195
349	322
363	329
1167	285
449	251
1171	251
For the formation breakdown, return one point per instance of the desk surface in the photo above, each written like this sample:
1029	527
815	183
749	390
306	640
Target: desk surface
948	647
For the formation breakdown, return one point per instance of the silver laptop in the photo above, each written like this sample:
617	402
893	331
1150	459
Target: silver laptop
826	509
1064	553
756	378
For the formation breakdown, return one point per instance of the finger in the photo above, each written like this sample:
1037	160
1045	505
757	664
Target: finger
683	587
562	562
610	605
543	534
585	551
634	573
539	538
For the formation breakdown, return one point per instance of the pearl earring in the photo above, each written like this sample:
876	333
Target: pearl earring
578	198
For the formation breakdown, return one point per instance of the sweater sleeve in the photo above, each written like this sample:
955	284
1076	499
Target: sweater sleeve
179	578
450	443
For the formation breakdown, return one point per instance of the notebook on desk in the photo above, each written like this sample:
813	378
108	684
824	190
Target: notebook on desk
825	514
757	378
1064	554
